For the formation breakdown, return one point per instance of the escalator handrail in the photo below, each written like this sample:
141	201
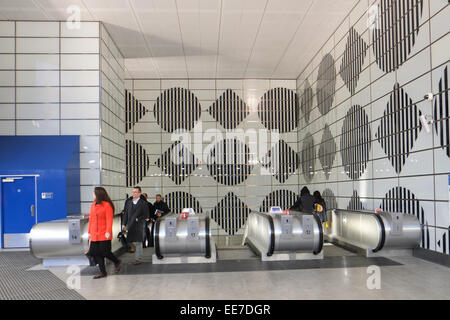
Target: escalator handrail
156	240
272	232
380	222
319	224
207	239
383	233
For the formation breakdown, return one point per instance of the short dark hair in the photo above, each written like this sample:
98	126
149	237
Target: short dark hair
158	195
139	188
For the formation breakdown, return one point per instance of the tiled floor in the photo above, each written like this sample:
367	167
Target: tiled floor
409	278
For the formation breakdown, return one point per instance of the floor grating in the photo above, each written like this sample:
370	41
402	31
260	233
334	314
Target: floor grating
18	283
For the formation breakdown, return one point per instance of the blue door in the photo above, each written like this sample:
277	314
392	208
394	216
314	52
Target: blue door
18	210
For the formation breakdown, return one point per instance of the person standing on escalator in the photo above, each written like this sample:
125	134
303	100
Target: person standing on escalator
320	206
305	202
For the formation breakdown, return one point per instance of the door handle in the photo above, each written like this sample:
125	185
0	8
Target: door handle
32	210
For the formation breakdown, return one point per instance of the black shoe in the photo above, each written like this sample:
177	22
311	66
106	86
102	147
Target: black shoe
117	266
100	275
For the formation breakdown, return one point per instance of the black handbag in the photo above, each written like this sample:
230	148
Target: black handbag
123	240
92	262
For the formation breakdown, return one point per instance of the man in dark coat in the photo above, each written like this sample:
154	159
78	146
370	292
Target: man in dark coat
161	206
148	239
305	202
135	214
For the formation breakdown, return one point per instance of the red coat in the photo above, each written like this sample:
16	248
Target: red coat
100	221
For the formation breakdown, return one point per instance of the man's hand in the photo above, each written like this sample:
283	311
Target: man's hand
107	235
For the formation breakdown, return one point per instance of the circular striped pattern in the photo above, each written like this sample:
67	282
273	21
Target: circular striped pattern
177	108
330	199
327	151
326	84
308	157
229	109
442	113
395	32
353	60
228	162
278	109
399	127
306	103
355	142
230	213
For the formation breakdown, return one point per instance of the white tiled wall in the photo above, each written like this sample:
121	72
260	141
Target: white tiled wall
427	169
54	81
113	119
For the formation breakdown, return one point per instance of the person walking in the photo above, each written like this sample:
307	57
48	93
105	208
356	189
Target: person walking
100	231
135	214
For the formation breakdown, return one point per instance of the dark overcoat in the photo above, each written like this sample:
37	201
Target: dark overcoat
134	217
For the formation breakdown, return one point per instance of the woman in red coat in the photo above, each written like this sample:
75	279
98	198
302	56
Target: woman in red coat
100	231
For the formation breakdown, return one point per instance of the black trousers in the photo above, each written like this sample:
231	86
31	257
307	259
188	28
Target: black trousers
101	250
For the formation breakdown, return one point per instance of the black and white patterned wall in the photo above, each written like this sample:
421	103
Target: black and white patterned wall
361	98
239	153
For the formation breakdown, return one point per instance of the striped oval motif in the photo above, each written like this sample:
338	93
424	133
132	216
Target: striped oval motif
137	163
177	162
306	104
399	128
441	113
396	32
229	110
326	84
330	199
353	60
177	108
282	160
278	109
327	151
230	213
308	156
229	162
355	142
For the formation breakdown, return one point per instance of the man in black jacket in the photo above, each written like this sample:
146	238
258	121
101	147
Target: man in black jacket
148	239
305	203
161	206
135	214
